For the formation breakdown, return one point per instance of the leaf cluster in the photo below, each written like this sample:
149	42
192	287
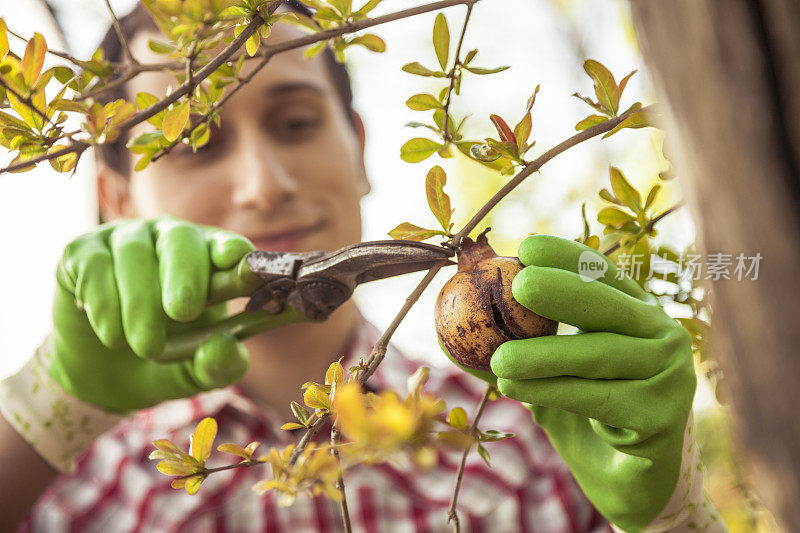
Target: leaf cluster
609	93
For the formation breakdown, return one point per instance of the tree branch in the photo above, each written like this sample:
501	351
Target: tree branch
121	35
340	481
650	226
452	514
452	75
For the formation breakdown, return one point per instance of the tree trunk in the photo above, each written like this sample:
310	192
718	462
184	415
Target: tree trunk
728	72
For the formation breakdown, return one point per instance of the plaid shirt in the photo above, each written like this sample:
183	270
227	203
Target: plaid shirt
117	488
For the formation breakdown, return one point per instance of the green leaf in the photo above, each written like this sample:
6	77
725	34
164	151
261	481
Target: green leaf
457	418
199	136
624	191
33	59
483	71
160	47
344	7
591	120
409	232
438	200
423	102
614	217
366	8
175	120
145	100
300	412
418	149
470	56
202	440
314	49
371	42
608	197
604	85
484	454
652	195
492	435
441	40
418	69
292	425
635	120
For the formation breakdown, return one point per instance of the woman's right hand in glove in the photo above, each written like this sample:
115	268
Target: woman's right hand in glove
140	316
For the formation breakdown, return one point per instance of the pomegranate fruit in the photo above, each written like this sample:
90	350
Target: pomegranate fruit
476	312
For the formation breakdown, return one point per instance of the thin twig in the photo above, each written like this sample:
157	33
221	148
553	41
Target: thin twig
452	75
647	229
452	514
121	35
340	480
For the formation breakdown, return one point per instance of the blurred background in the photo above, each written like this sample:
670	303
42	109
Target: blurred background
544	41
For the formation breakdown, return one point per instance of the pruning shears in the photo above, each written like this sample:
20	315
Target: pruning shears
316	283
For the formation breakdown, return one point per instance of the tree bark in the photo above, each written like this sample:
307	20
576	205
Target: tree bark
728	72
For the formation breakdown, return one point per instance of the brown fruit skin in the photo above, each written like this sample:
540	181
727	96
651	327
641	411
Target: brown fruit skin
476	312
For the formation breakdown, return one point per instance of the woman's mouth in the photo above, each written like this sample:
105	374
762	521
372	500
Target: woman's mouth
286	240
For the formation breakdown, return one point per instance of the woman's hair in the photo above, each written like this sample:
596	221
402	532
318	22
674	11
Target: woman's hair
115	154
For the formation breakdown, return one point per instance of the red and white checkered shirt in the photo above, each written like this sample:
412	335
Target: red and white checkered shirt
117	488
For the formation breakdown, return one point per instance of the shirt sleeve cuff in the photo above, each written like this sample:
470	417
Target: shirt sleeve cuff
57	425
689	509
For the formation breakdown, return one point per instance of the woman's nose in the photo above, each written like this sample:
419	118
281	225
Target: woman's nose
261	180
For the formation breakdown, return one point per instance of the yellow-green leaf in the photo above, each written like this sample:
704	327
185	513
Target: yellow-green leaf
335	373
3	39
193	484
457	418
483	71
33	59
652	195
522	131
175	120
438	200
172	467
604	85
441	40
63	163
315	398
614	217
370	42
409	232
635	120
202	439
234	449
292	425
591	120
252	44
420	70
418	149
423	102
624	191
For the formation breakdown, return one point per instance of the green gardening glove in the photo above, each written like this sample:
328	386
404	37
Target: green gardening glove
139	315
615	398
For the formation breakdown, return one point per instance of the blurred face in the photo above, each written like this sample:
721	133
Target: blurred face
285	169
